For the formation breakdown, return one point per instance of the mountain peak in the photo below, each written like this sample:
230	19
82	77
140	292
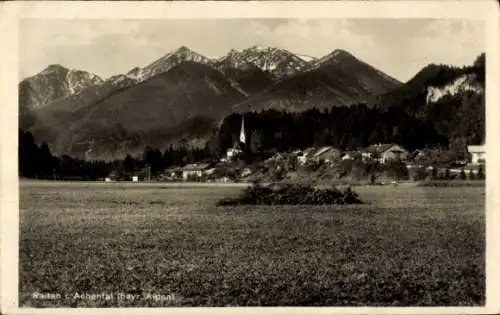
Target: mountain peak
183	49
168	61
278	62
341	53
260	48
336	56
54	68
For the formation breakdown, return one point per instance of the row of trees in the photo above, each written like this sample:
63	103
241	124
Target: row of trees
343	127
37	161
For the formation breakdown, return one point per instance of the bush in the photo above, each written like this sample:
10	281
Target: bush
418	174
447	174
292	194
463	176
480	172
396	170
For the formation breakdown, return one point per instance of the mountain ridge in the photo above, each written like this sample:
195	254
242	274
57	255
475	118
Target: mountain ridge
151	109
187	101
52	83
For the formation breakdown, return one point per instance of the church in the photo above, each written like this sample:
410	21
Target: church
238	145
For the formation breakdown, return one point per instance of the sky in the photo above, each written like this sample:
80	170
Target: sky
399	48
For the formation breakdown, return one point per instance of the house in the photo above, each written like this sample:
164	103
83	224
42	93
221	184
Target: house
232	153
478	154
351	155
419	155
306	155
246	172
210	171
113	176
385	153
141	174
173	173
194	170
326	154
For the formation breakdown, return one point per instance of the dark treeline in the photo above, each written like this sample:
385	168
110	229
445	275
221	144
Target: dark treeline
36	161
343	127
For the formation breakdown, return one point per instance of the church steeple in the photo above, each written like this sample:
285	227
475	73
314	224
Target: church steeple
242	132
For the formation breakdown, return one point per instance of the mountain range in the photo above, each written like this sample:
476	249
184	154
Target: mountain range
183	96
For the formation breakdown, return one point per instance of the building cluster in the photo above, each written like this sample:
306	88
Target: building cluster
224	170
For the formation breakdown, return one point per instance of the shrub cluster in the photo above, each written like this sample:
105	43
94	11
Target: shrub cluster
292	194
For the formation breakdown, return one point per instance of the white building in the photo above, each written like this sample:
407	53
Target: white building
478	154
232	153
194	170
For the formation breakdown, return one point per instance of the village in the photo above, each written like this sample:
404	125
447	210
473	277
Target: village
378	163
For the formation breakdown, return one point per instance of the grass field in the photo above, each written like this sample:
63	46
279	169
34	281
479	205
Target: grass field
154	245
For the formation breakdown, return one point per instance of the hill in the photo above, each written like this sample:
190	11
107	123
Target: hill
452	99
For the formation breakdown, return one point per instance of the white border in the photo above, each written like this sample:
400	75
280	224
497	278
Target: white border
11	12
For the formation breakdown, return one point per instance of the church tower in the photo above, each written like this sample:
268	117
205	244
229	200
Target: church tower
243	138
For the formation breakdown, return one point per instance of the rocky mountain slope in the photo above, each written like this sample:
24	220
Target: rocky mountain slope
279	63
182	103
167	62
53	83
338	79
60	114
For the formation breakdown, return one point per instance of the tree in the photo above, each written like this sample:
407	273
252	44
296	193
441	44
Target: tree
256	142
447	174
156	161
463	176
472	176
28	155
147	155
128	164
46	162
214	146
480	172
167	158
372	178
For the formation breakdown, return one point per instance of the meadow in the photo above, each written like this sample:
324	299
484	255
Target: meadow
112	245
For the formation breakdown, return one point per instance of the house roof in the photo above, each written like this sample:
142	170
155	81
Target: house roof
308	151
381	147
195	167
352	153
476	148
325	150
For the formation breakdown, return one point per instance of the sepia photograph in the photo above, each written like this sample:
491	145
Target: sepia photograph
252	160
